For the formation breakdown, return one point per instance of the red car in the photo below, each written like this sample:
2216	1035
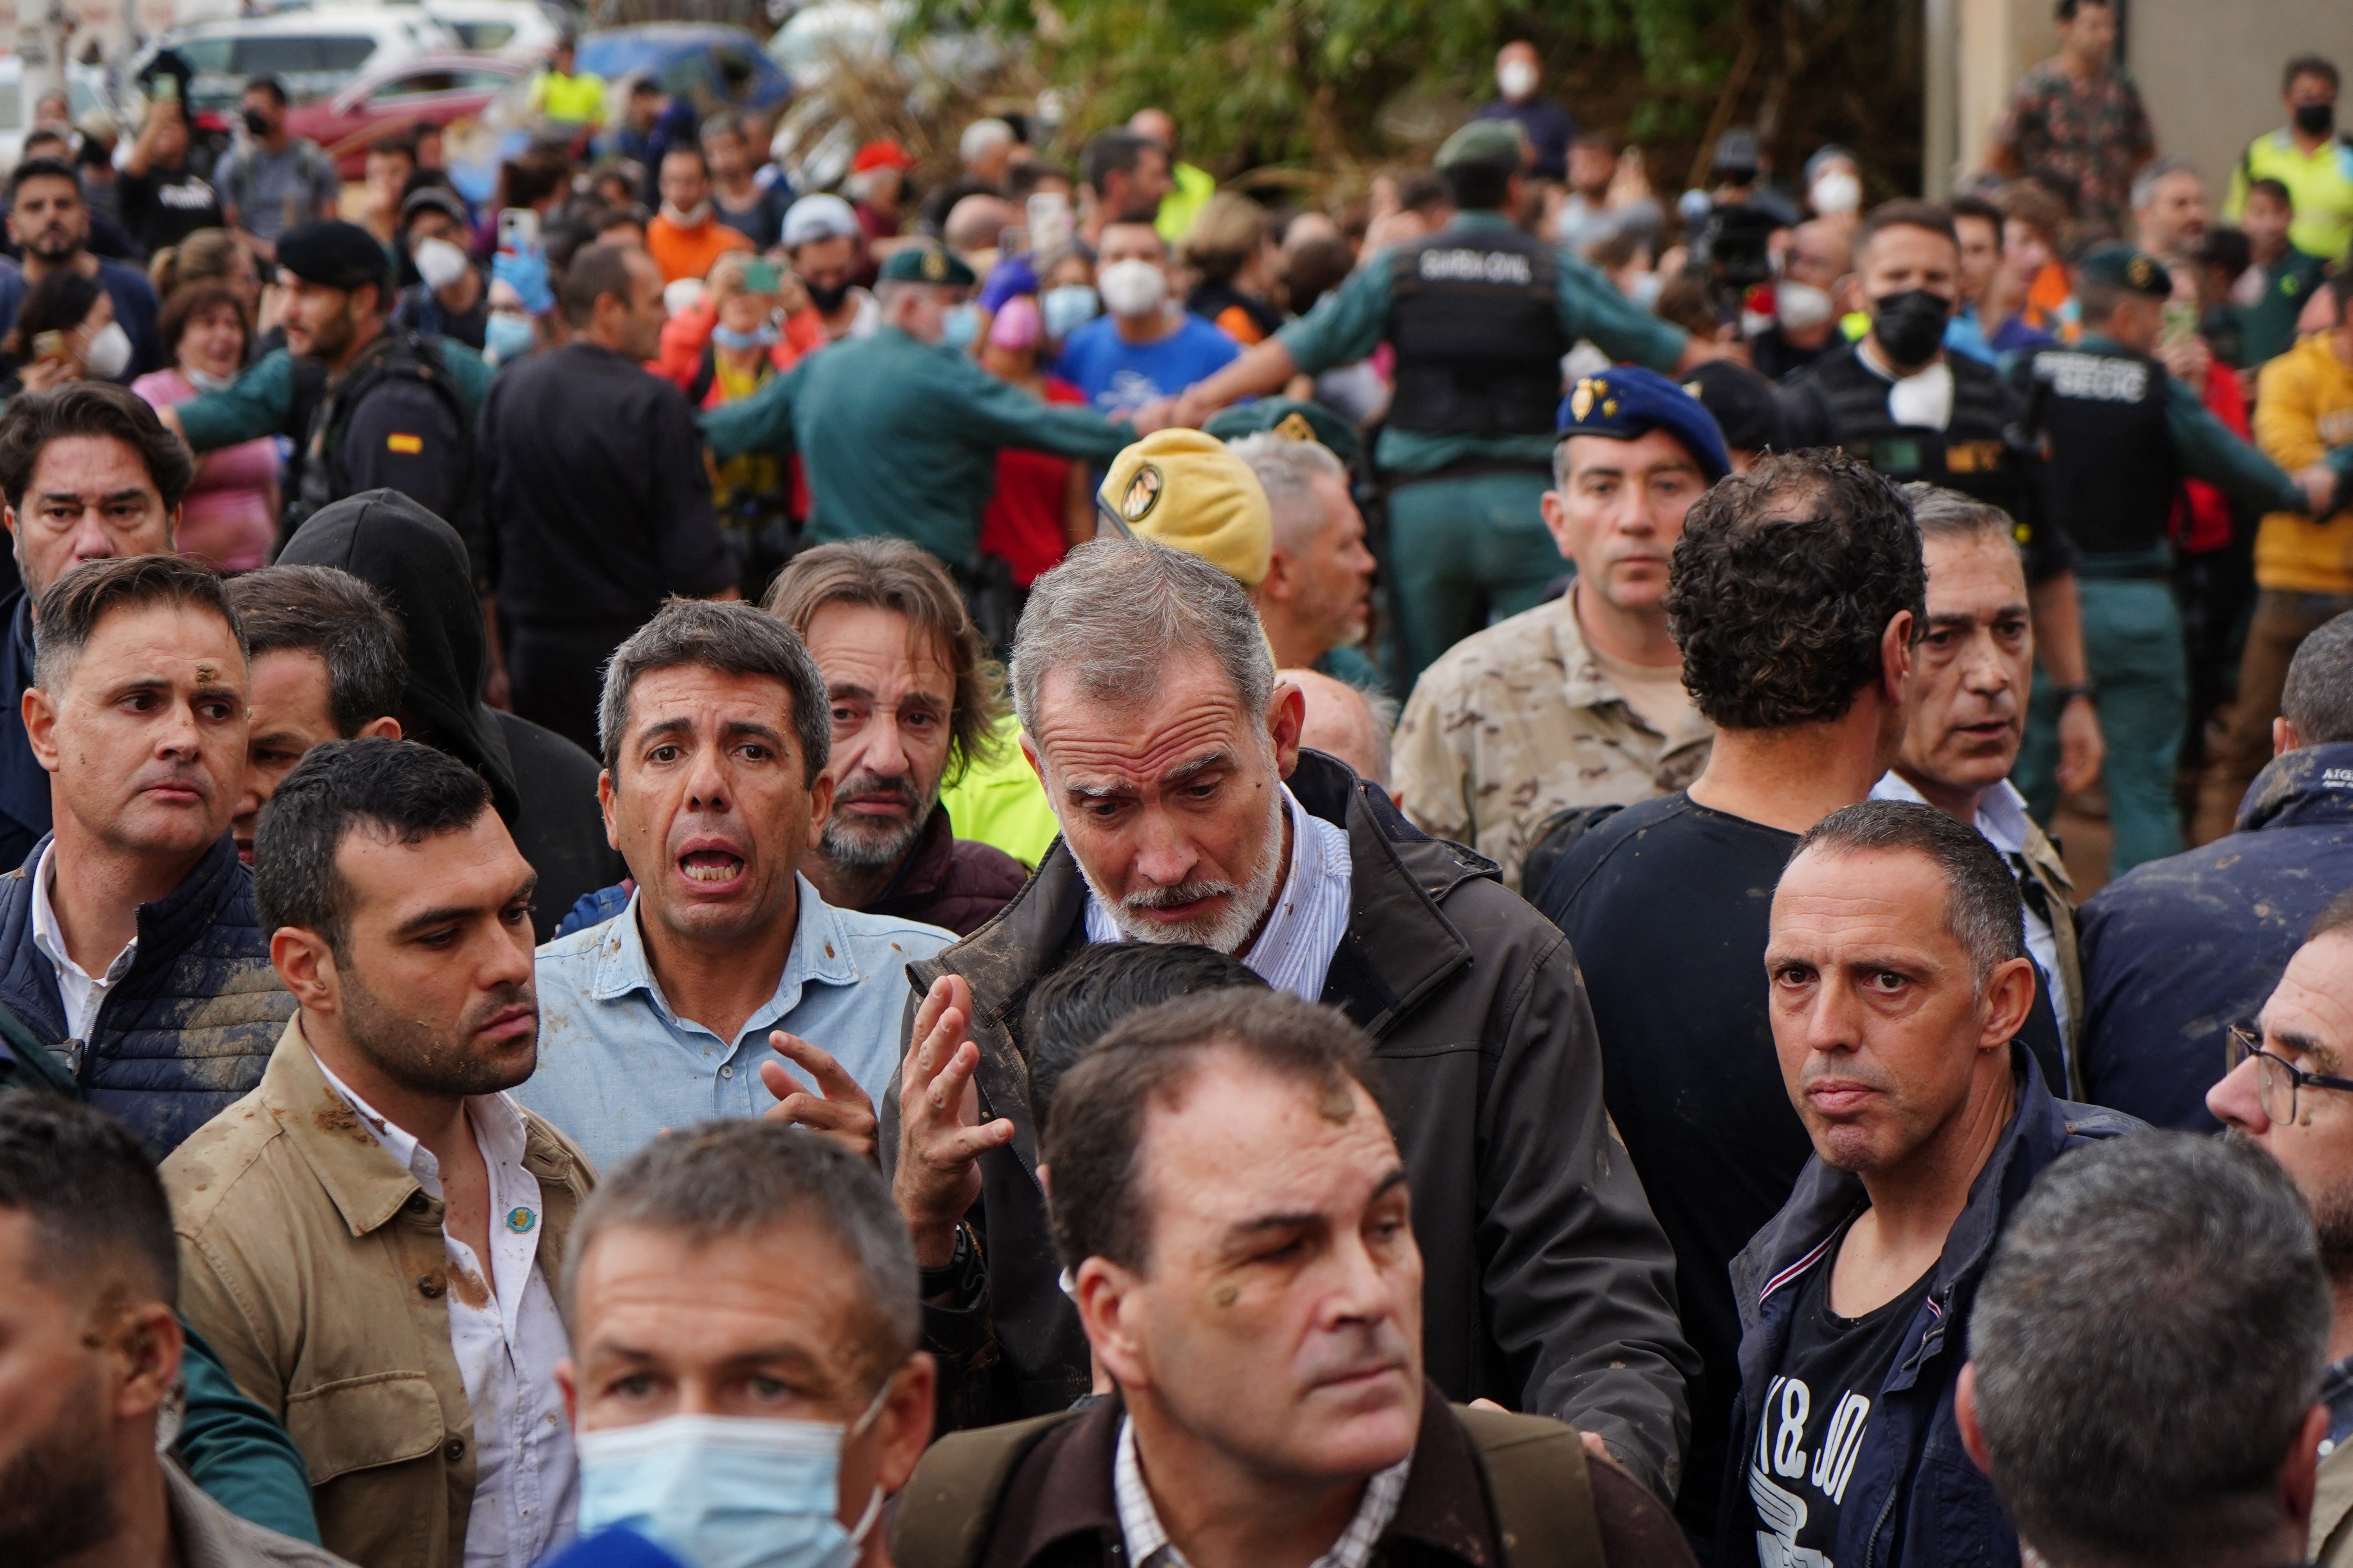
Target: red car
438	90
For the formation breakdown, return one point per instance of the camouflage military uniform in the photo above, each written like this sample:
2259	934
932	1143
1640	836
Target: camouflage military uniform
1517	721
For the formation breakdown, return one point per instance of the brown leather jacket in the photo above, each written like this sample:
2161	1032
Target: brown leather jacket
316	1267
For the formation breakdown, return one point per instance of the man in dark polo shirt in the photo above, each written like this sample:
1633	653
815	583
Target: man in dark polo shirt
1665	901
599	506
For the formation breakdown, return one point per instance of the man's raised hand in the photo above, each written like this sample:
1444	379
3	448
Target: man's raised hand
941	1138
839	1108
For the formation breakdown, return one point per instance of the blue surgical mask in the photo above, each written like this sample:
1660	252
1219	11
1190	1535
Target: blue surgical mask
722	1492
1065	310
508	337
959	326
759	337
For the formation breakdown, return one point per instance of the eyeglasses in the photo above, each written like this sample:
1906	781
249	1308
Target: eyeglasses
2279	1080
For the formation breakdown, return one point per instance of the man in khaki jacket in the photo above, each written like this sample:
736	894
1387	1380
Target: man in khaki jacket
2290	1088
1964	720
370	1238
1580	700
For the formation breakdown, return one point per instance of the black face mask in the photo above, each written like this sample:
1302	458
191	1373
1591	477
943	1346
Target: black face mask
257	123
1910	325
828	297
2315	118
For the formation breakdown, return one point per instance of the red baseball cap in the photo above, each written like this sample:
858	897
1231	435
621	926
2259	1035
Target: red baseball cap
885	154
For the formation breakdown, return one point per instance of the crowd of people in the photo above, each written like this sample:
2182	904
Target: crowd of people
1066	870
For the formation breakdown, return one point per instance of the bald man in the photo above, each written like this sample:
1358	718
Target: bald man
1346	723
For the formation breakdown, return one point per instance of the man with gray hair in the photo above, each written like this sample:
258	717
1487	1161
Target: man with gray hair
717	731
2169	207
1170	755
728	1283
1897	982
1317	594
2287	1089
2142	1361
986	150
2178	950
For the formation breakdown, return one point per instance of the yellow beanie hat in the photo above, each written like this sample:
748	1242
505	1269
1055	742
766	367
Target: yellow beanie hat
1185	489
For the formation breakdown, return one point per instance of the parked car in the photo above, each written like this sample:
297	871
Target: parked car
438	89
710	66
316	53
520	30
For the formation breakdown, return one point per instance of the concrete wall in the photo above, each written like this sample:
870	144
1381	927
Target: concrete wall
2207	72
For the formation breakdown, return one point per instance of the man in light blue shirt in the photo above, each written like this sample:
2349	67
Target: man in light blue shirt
716	733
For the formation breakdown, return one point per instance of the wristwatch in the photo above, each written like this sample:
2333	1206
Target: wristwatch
959	1278
2087	691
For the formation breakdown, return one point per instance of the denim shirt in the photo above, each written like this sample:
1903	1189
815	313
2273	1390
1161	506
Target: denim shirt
616	1066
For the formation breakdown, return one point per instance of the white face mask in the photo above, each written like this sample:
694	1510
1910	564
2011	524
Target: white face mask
1132	287
1836	192
439	263
206	381
1517	77
1800	305
1644	288
108	353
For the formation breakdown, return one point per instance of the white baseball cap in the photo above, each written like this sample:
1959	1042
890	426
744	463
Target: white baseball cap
819	218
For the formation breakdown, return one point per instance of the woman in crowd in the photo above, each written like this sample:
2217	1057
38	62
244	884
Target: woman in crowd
1043	504
230	517
65	331
742	322
1231	251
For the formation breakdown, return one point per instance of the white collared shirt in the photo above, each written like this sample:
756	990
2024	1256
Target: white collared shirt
1148	1545
80	992
507	1338
1293	953
2001	822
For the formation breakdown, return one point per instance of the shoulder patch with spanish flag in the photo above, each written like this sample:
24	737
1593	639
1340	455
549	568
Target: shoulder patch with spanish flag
397	442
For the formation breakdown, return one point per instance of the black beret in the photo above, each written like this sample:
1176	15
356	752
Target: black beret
334	255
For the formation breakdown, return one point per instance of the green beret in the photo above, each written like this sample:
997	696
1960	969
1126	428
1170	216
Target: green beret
928	264
1484	142
2123	267
1287	416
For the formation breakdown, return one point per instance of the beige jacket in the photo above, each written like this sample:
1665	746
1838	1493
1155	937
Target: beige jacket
212	1537
314	1265
1516	722
2042	859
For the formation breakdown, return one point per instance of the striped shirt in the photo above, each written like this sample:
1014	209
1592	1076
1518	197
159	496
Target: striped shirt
1148	1545
1310	916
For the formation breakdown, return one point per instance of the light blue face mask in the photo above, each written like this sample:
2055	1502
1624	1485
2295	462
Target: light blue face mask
508	337
959	326
723	1492
759	337
1065	310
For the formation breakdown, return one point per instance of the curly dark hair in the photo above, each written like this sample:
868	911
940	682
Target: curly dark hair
1783	583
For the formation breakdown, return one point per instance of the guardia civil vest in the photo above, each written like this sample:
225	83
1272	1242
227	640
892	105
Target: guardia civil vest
1475	317
2110	476
1974	454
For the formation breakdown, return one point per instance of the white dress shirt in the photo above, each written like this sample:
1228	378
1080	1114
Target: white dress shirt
1293	953
1148	1545
80	992
2001	822
507	1337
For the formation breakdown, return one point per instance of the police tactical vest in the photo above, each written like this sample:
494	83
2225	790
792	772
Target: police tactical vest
1475	317
2111	477
1974	454
323	412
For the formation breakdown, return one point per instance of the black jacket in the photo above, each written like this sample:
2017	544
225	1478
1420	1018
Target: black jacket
24	782
1915	1498
543	784
1548	1287
2177	950
187	1031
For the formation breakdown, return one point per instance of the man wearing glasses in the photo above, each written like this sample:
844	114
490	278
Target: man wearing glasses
2289	1087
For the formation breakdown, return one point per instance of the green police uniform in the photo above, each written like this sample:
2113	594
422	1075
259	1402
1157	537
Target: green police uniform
261	401
1479	315
2122	434
898	436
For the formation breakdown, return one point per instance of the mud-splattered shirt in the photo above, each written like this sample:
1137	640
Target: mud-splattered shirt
507	1336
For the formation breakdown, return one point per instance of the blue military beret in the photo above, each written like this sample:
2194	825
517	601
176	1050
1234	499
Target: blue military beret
1626	401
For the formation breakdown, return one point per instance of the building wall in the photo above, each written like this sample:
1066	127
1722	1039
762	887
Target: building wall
2209	72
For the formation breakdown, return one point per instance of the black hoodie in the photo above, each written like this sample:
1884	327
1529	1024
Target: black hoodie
544	785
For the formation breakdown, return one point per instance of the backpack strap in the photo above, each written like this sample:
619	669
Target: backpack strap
950	1503
1541	1490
